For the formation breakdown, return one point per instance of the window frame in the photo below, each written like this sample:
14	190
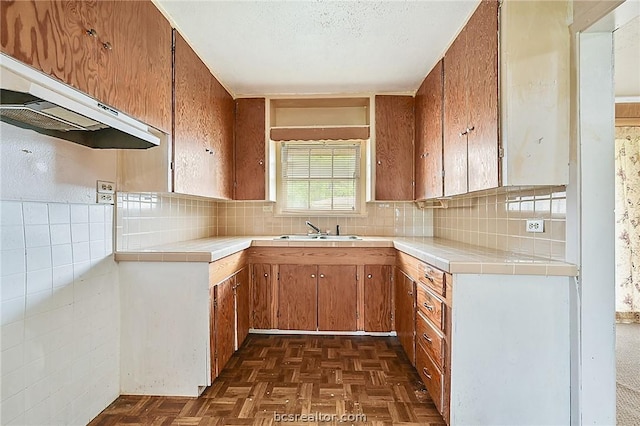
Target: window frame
360	210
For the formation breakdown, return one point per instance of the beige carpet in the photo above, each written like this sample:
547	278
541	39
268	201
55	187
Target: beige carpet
628	374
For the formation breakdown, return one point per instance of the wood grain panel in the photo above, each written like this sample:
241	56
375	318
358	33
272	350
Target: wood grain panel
297	297
51	36
319	133
456	116
227	266
415	268
428	139
249	152
192	127
405	311
221	116
224	323
394	147
432	277
431	339
323	256
243	307
261	296
482	85
628	114
431	376
337	298
377	297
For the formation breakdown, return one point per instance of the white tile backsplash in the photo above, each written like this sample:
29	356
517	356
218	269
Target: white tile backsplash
51	289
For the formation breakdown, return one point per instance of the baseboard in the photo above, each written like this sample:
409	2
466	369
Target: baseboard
323	333
628	317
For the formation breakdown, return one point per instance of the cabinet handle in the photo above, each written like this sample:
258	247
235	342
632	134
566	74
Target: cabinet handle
321	275
92	33
425	155
369	276
429	277
429	307
410	293
424	370
107	46
470	129
209	150
464	133
427	338
266	275
313	275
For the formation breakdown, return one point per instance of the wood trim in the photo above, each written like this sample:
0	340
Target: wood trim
319	133
628	114
227	266
323	256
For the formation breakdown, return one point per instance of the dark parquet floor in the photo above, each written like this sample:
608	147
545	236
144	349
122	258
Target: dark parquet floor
280	375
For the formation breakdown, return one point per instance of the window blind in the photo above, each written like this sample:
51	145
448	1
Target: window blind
320	177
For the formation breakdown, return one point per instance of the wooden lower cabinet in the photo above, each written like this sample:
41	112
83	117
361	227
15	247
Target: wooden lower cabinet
405	312
298	297
377	298
337	298
243	306
223	325
261	296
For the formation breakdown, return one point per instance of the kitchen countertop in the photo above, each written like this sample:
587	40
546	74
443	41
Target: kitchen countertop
451	256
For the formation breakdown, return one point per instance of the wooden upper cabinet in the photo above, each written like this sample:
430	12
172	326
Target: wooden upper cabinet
429	181
394	123
249	152
192	123
203	128
471	143
482	89
337	298
135	61
377	298
118	52
58	38
455	116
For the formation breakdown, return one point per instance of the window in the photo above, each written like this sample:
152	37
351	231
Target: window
320	177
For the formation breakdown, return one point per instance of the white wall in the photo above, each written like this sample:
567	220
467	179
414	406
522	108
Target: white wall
59	285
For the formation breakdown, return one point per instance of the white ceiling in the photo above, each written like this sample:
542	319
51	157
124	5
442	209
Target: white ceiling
319	47
626	41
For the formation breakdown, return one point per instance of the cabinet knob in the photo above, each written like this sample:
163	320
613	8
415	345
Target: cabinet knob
379	162
426	373
266	275
313	275
321	275
410	293
425	337
107	46
369	276
209	150
464	133
92	33
261	162
470	129
429	307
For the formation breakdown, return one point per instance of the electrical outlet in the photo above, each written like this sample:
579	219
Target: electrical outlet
104	198
535	225
105	187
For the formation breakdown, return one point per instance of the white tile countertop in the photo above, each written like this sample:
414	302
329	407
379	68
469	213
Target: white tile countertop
451	256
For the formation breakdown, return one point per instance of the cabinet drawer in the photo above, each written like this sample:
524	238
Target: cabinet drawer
430	305
431	376
432	277
430	339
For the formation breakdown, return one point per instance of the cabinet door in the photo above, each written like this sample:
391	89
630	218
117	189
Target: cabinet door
135	69
221	111
192	127
250	149
394	147
482	85
243	308
455	116
337	298
429	181
224	323
261	296
377	298
405	313
53	37
297	297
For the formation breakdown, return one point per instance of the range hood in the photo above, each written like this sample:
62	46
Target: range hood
33	100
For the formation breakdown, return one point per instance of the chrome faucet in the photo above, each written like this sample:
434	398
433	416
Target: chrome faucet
312	226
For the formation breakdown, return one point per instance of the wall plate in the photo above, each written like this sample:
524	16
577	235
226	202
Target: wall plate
535	225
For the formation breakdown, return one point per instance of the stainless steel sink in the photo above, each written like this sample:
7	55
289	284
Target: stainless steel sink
313	237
